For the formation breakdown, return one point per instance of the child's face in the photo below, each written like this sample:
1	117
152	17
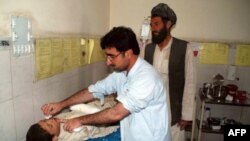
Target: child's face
51	125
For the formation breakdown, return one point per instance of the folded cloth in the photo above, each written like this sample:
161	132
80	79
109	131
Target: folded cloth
85	108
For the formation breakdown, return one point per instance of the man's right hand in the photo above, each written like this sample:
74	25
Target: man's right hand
51	108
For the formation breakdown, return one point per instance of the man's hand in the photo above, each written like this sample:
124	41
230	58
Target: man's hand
183	124
51	108
71	124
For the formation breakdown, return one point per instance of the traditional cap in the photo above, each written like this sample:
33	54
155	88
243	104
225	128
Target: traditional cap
164	11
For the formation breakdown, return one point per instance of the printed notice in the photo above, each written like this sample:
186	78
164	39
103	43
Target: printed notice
76	52
242	55
214	53
84	52
67	54
43	58
91	43
57	55
96	52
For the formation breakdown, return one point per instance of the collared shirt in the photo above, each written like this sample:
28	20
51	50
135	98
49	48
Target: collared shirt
143	94
161	57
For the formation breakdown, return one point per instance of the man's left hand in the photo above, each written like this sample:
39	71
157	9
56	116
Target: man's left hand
183	123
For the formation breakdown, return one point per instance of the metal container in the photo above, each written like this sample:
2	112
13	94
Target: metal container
220	92
232	90
207	89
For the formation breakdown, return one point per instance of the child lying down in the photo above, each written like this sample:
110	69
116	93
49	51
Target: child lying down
52	129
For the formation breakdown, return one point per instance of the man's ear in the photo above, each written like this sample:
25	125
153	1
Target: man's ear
169	23
128	53
55	138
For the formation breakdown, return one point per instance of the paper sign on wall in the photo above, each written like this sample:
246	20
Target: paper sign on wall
242	55
214	53
43	58
57	55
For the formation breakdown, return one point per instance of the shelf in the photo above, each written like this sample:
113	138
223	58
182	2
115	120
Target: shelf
246	103
203	100
189	127
207	129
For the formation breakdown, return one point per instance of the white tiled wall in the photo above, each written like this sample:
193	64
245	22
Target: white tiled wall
5	76
22	75
24	115
7	121
207	71
21	96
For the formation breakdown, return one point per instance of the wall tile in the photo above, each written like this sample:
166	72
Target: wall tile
23	108
7	122
98	74
40	84
40	97
245	115
21	75
5	76
56	91
72	84
232	112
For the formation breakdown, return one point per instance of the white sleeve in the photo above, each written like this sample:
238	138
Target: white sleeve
190	85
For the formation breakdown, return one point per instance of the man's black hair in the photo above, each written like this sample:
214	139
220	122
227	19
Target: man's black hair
37	133
121	38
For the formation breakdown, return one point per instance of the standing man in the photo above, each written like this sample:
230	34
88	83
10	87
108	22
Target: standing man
142	107
173	58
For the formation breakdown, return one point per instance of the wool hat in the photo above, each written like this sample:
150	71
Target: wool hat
164	11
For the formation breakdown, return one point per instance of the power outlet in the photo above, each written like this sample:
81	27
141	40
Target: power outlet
4	43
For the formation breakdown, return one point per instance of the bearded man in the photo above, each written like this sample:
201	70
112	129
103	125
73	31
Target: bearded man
174	59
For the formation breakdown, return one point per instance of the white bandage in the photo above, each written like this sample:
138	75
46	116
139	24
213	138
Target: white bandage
85	108
48	116
78	129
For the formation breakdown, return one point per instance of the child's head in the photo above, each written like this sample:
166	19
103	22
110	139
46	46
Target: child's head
44	130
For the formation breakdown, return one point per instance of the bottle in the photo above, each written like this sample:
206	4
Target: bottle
145	30
207	114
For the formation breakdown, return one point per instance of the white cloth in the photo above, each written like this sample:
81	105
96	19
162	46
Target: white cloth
177	134
85	108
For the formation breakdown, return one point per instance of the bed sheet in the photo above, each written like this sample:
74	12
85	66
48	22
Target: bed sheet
115	136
